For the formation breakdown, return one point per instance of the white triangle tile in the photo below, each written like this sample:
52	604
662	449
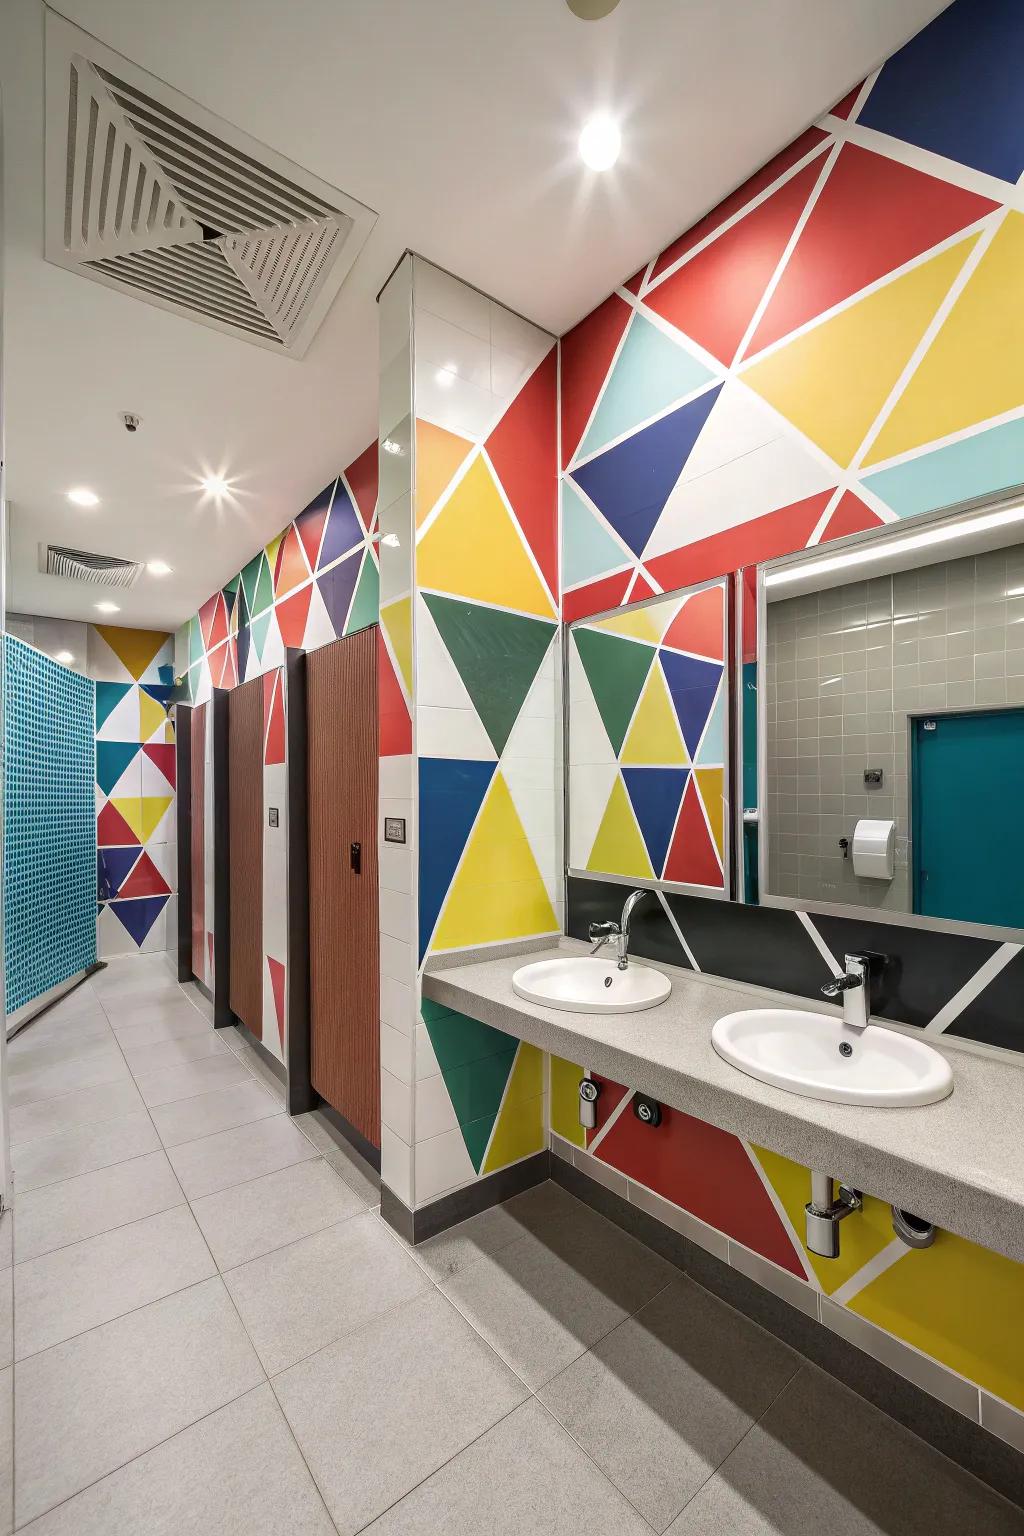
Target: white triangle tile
122	724
319	629
130	782
590	785
528	766
442	1163
273	648
112	938
588	740
153	781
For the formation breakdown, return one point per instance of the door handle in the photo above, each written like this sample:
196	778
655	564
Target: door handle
355	857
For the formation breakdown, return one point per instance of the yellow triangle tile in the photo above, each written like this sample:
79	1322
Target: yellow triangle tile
439	453
271	549
397	620
130	807
135	649
618	847
642	624
152	716
497	892
153	811
519	1129
974	369
832	381
863	1238
710	782
565	1101
474	550
654	736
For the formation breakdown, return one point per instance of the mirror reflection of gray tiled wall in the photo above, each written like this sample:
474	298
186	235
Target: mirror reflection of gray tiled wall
843	670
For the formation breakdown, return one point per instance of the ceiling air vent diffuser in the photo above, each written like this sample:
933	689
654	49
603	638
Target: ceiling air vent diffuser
81	565
148	192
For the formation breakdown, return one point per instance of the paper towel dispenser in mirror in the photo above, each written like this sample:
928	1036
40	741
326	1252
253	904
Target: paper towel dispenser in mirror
890	720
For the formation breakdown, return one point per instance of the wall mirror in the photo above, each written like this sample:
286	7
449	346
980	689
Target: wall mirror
647	742
890	721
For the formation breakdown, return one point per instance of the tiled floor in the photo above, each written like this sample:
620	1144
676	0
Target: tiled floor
206	1328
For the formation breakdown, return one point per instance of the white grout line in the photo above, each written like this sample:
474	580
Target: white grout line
819	944
972	988
883	1260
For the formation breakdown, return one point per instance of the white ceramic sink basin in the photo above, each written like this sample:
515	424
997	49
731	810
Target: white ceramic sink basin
816	1055
591	984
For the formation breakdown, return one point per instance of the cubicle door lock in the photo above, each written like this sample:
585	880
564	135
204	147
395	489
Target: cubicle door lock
648	1111
355	858
589	1094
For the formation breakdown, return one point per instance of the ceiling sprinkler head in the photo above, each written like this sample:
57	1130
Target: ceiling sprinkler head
132	423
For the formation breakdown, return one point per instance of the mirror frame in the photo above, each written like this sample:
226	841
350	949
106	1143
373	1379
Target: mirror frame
1009	500
707	893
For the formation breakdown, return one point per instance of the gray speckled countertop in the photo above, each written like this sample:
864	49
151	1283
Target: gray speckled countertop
959	1163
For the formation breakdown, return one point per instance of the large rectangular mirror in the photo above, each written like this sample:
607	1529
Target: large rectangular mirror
647	743
890	728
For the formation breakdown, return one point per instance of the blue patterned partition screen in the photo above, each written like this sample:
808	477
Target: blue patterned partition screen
49	823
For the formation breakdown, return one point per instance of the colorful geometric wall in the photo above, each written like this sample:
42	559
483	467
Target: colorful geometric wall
49	824
135	788
648	742
839	344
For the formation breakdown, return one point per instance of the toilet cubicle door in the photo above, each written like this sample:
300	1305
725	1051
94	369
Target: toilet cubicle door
197	726
245	852
344	971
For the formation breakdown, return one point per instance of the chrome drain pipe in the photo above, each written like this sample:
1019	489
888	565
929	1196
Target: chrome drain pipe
824	1211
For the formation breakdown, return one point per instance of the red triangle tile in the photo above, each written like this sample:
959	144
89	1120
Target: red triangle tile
524	451
361	475
641	588
273	717
762	538
163	756
743	195
636	281
712	298
698	626
873	215
596	596
277	987
112	831
608	1100
292	615
586	356
851	516
845	107
692	859
393	712
144	880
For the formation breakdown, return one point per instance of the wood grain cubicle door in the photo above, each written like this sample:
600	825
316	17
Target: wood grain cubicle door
245	858
344	967
197	726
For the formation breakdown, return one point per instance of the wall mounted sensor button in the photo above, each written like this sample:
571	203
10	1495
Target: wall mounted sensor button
648	1111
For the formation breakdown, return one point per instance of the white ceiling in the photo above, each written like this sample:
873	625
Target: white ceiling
455	120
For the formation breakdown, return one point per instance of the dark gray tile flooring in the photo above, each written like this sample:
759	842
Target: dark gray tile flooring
207	1330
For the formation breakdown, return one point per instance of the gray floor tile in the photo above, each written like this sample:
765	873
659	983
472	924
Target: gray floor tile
52	1158
377	1412
89	1105
262	1071
242	1153
525	1474
237	1473
96	1202
6	1238
823	1460
162	1055
477	1238
64	1042
297	1299
102	1063
89	1283
191	1078
6	1317
342	1156
542	1301
6	1451
110	1394
81	1000
149	1000
176	1024
189	1119
250	1219
663	1399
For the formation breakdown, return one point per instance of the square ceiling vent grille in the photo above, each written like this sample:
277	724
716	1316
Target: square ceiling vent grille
148	192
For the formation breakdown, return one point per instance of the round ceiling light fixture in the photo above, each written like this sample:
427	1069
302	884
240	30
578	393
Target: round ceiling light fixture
81	496
108	608
591	10
215	485
158	568
64	657
600	143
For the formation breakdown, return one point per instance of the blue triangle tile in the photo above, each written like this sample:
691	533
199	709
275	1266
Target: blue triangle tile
138	915
343	530
692	685
451	792
651	371
336	588
113	865
655	795
630	483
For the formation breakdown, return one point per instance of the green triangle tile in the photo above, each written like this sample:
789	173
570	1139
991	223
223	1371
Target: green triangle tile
108	697
195	640
616	669
476	1135
112	758
458	1040
263	597
249	578
476	1088
365	608
258	633
497	655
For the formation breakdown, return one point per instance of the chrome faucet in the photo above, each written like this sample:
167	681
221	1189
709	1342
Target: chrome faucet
855	987
603	933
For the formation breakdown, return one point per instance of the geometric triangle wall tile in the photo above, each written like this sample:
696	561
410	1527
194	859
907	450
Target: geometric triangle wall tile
813	139
638	623
844	108
832	381
144	880
619	848
258	631
365	608
654	736
498	892
144	814
651	372
586	353
129	809
616	669
655	794
111	828
520	1130
152	717
292	615
850	516
700	625
692	859
712	298
263	596
136	649
439	454
711	751
451	791
362	477
523	449
249	578
113	868
395	724
974	369
154	781
273	717
139	916
588	549
497	655
309	525
474	550
108	697
343	531
954	88
631	482
336	588
112	758
873	215
589	788
319	630
291	564
710	782
276	972
396	619
595	596
762	538
985	462
692	685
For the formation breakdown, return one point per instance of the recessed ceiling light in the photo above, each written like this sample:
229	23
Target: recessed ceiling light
83	497
446	376
158	568
107	608
215	485
600	143
64	657
390	446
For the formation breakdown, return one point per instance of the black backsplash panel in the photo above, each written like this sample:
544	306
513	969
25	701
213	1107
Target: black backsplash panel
770	947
